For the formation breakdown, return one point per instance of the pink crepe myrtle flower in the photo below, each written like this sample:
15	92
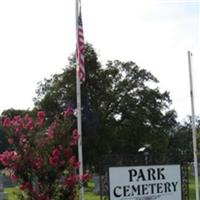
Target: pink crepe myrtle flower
56	152
87	176
67	152
75	137
29	124
51	130
10	141
8	157
71	180
14	177
74	163
46	152
38	163
7	122
54	159
40	115
69	111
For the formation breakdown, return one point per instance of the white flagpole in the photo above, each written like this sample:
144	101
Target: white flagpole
79	122
193	127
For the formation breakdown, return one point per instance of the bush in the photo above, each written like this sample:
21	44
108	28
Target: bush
40	157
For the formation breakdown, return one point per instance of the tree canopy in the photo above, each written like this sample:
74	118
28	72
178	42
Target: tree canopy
123	107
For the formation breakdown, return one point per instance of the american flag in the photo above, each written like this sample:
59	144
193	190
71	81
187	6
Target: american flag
80	48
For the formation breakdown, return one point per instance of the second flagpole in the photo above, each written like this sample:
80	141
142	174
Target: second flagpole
193	128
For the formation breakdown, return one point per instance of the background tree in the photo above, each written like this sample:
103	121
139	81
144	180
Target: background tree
123	108
181	144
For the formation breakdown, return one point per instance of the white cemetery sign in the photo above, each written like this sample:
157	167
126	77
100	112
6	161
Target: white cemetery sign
160	182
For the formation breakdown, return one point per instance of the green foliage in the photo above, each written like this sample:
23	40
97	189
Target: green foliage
3	142
181	144
13	112
15	194
123	108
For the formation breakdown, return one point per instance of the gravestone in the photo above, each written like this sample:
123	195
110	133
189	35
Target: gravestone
3	195
97	184
7	183
192	169
101	184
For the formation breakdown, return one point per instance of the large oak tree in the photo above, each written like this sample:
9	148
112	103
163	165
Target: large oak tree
123	107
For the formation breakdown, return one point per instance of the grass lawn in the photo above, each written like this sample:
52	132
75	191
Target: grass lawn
192	189
90	195
11	193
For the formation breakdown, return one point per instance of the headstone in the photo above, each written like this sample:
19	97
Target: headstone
7	182
3	195
192	169
97	184
101	184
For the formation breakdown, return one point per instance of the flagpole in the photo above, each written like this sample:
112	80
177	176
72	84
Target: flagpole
79	122
193	127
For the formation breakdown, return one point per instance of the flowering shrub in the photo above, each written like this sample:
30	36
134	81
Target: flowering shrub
41	159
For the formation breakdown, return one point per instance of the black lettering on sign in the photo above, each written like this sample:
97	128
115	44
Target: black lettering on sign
141	176
161	176
160	188
151	174
135	190
167	187
117	191
126	190
145	189
132	173
174	184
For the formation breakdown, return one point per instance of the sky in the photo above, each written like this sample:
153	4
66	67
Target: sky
38	36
